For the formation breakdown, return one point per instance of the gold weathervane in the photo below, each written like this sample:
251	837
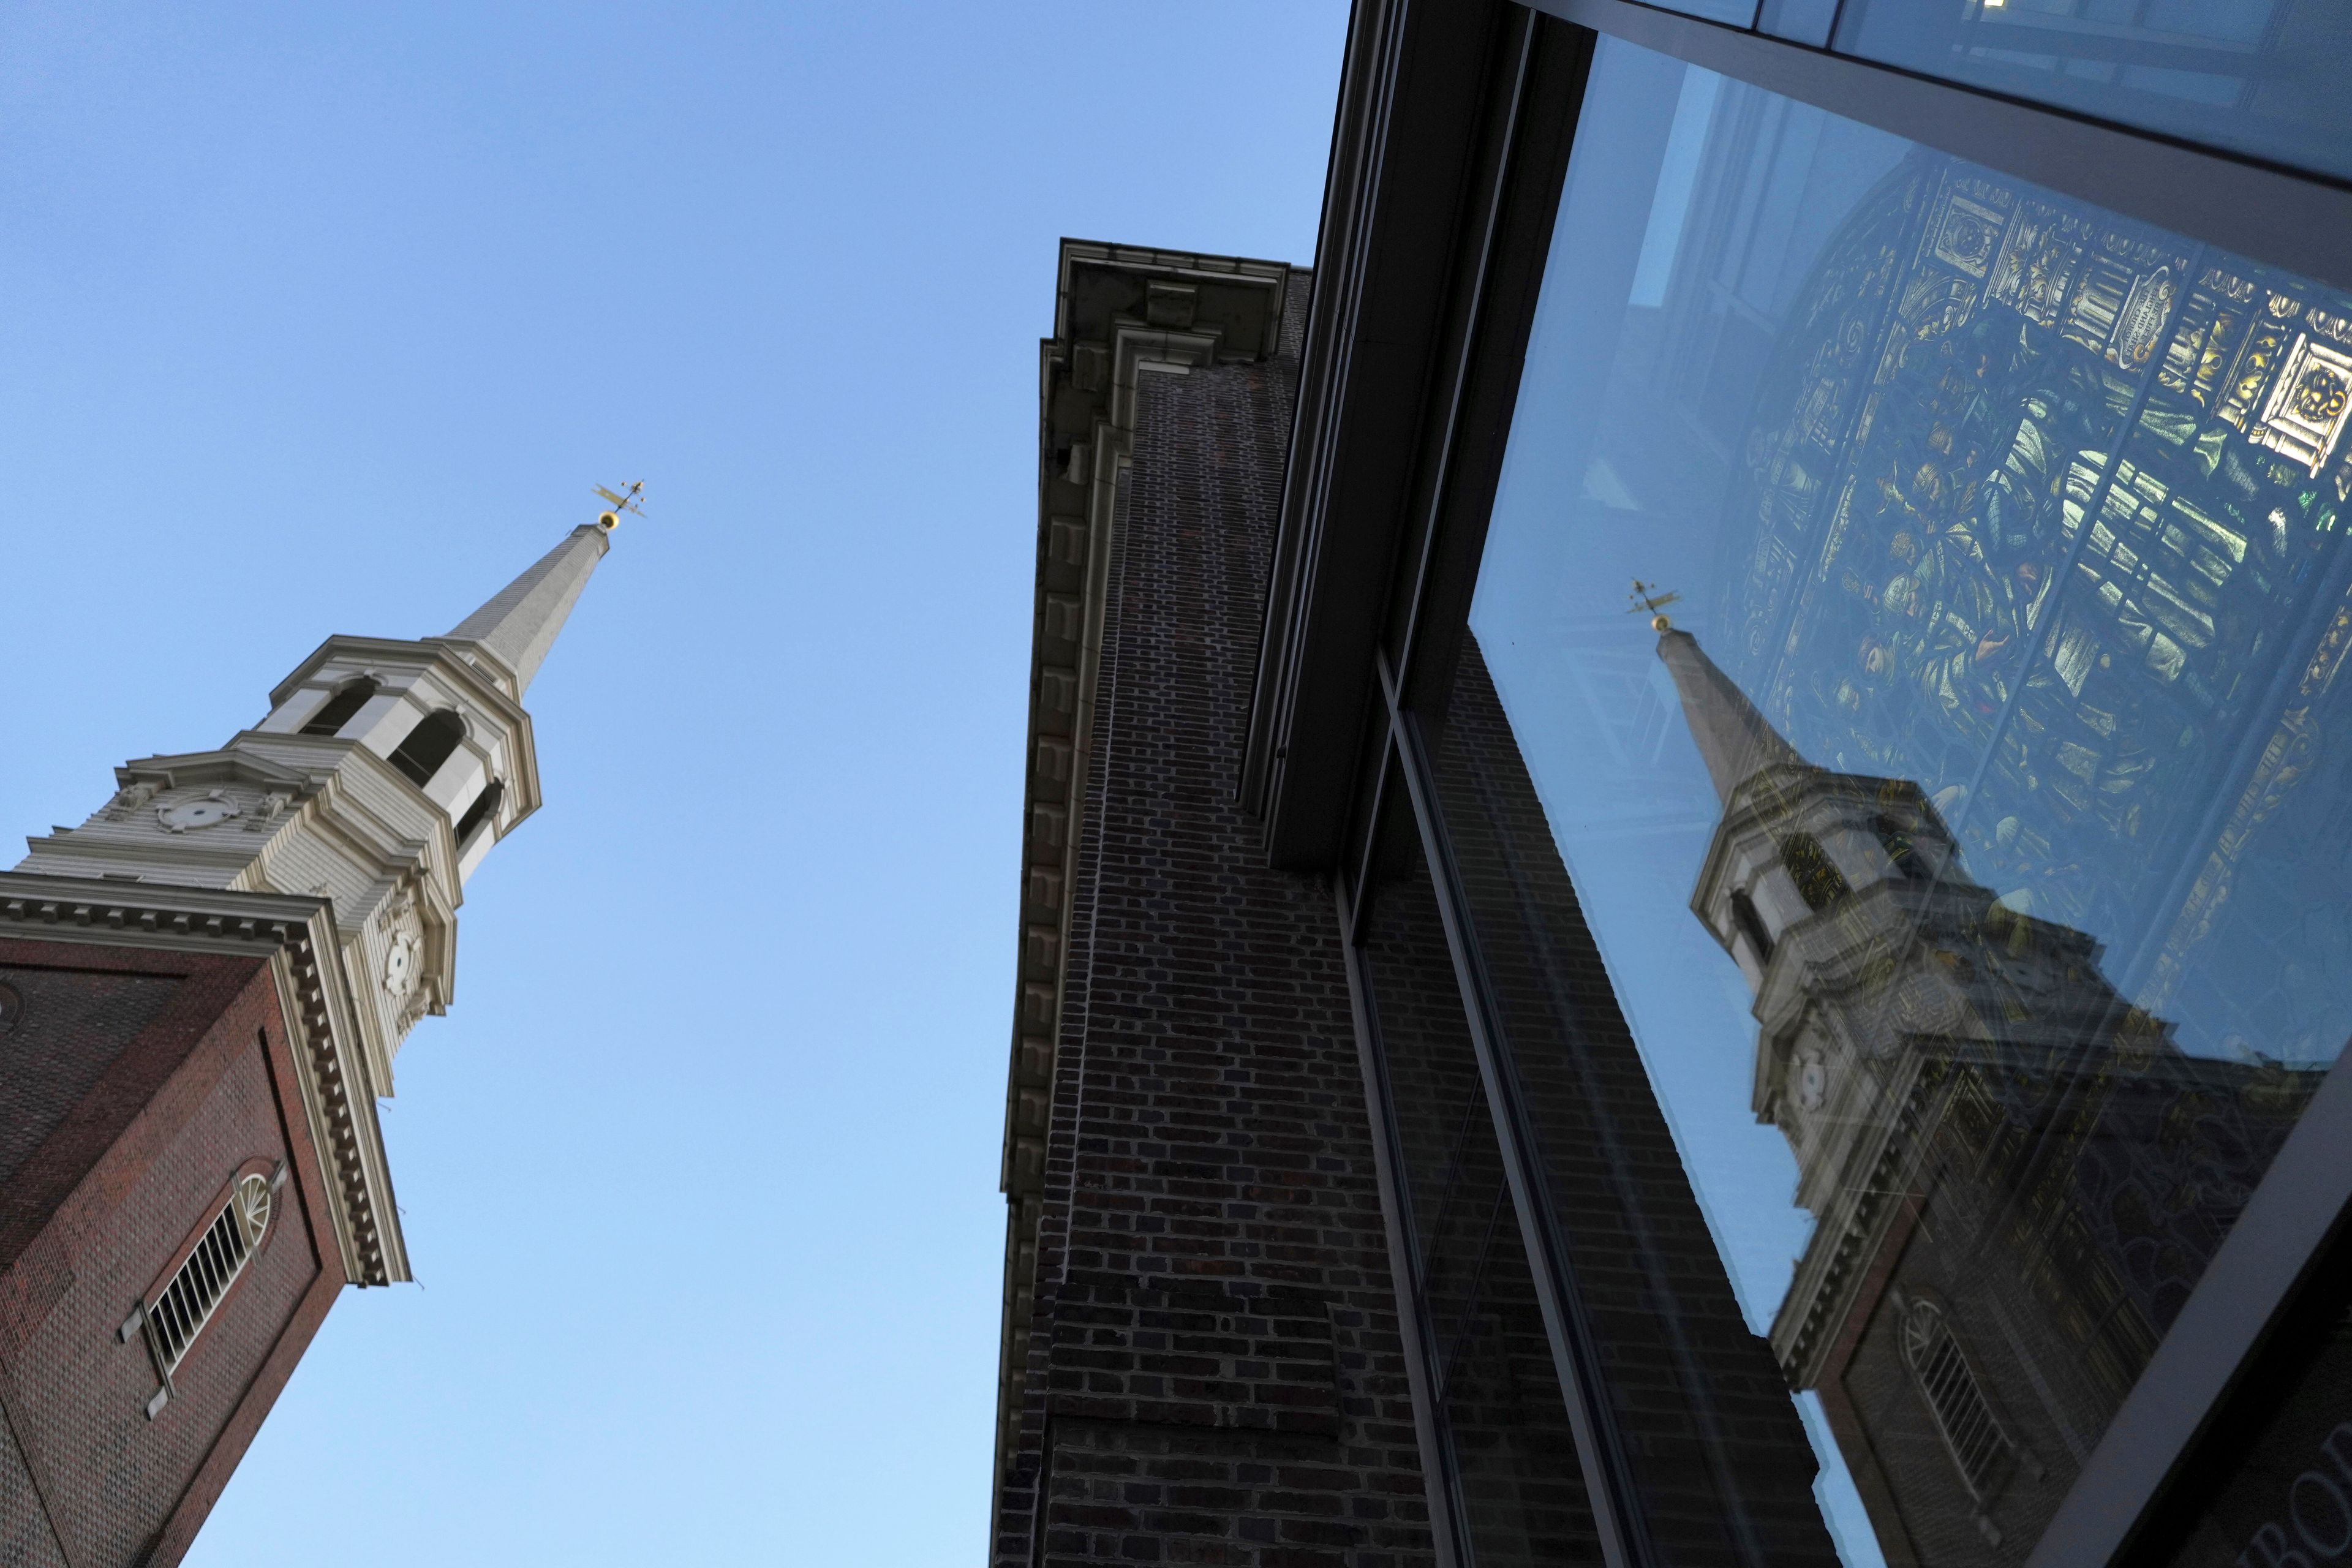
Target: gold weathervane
609	520
1647	599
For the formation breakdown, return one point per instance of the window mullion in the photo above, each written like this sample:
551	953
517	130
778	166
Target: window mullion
1617	1514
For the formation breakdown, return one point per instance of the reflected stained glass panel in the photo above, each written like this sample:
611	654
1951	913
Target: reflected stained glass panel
1970	851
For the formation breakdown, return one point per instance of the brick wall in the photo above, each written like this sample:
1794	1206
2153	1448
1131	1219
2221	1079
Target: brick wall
1214	1372
160	1075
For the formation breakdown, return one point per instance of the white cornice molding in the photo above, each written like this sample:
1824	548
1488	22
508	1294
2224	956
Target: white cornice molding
298	937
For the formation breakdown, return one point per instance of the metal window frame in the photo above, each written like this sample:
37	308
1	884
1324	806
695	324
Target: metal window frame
1619	1521
2239	203
1443	1481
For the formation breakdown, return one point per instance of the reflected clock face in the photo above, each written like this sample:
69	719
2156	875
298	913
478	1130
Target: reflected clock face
188	813
1812	1082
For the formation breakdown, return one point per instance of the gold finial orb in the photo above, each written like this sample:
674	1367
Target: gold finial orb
1660	624
608	520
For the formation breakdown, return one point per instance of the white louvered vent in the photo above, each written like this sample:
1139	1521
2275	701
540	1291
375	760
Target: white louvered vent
188	1300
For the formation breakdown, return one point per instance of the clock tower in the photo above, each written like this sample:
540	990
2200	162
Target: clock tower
203	991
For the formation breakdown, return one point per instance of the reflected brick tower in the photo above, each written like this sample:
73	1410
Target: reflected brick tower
202	991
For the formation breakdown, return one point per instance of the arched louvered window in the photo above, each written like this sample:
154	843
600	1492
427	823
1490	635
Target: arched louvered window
1949	1385
484	809
194	1290
336	712
429	745
1819	881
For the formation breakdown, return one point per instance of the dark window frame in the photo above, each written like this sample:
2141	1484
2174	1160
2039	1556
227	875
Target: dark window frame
2166	1431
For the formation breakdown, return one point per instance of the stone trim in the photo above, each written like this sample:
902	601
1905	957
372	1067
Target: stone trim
299	934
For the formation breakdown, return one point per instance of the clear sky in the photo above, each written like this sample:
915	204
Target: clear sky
320	318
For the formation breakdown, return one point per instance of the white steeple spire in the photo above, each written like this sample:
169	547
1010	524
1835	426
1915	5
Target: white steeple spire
384	772
520	624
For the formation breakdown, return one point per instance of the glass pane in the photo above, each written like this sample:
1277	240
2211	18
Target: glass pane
1717	1448
2264	77
1970	850
1807	21
1518	1488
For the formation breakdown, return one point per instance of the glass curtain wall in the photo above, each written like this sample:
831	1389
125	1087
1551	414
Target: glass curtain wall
2260	78
1909	933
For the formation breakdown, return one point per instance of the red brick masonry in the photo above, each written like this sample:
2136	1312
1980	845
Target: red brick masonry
133	1085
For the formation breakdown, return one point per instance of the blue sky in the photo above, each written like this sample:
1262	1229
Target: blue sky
324	318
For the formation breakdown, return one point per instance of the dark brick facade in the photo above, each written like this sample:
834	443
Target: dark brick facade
1213	1371
138	1083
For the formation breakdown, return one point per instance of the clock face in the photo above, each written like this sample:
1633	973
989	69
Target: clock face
187	814
399	962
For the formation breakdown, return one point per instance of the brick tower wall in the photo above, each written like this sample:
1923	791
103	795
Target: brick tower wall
1214	1372
140	1084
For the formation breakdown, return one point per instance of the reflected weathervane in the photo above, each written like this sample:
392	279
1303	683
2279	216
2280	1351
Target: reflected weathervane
629	501
1649	599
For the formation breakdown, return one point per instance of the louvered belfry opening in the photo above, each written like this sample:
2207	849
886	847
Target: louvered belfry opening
186	1303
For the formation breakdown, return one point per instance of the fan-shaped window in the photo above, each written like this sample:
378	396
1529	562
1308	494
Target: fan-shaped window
429	745
484	809
195	1291
337	711
1950	1387
1819	881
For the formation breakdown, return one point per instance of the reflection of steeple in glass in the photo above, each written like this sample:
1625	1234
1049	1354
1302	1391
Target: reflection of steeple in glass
2017	1177
2022	533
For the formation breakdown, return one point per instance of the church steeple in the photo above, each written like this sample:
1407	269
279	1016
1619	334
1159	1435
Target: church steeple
383	774
202	991
1794	840
1732	738
520	624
